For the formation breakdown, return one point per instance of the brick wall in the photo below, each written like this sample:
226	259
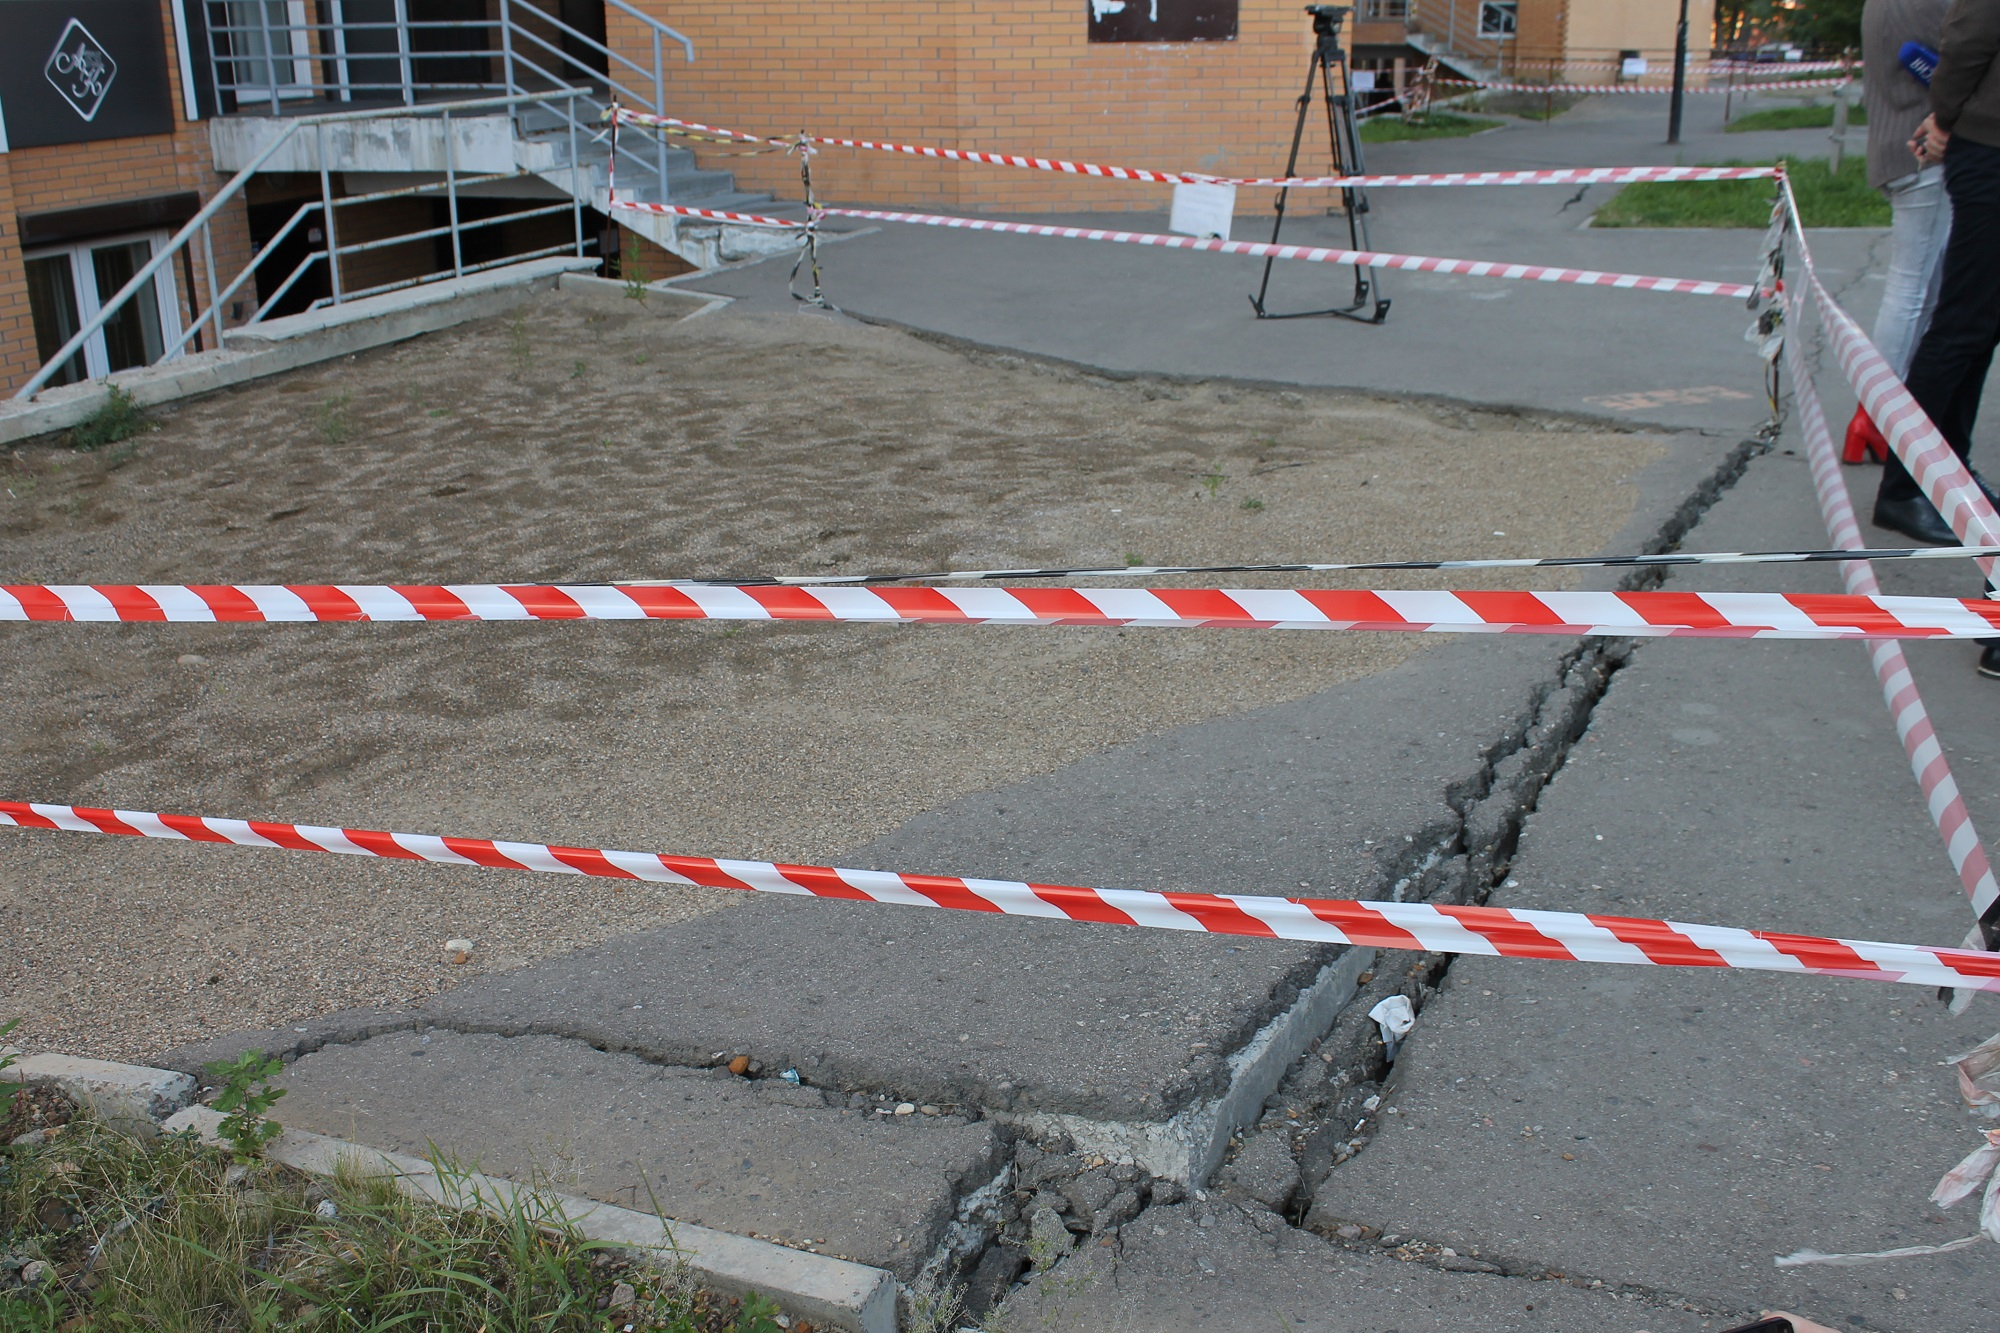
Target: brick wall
37	180
1018	76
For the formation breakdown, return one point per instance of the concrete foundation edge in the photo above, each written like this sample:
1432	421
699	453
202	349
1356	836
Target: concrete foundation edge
831	1292
298	340
1193	1143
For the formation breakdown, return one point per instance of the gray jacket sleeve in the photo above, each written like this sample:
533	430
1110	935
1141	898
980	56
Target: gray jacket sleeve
1971	41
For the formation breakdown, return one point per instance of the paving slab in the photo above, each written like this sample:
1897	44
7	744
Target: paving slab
1211	1266
1679	1130
758	1158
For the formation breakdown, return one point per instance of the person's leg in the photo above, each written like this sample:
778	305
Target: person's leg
1919	225
1959	343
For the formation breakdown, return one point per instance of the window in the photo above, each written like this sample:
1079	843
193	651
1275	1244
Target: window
1496	19
67	287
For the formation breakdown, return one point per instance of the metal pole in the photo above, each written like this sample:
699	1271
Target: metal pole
1451	25
403	51
660	109
1839	130
326	215
214	292
575	186
507	45
451	199
1680	76
270	53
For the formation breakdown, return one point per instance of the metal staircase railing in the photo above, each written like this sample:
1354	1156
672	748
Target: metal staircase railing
261	61
562	101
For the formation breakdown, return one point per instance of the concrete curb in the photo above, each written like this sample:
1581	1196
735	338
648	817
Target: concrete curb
832	1292
124	1095
297	340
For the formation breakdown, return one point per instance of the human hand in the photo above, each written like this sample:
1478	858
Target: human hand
1929	142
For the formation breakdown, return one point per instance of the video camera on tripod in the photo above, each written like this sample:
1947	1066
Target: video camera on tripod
1329	66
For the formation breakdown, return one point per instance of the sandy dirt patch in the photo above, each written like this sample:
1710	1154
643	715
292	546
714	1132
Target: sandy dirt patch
590	437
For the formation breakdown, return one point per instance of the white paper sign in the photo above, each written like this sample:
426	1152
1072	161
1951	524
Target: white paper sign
1203	210
1633	67
1361	80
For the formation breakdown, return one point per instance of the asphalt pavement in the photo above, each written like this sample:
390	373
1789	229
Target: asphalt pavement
1558	1147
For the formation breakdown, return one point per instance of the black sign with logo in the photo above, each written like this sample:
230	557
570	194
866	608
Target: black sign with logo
1162	20
75	70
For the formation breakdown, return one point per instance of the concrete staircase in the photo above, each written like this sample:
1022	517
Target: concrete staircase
542	144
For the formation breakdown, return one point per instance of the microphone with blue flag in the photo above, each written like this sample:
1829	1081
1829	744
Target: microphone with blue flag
1920	60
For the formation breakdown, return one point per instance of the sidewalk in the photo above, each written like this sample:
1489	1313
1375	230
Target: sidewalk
1583	1149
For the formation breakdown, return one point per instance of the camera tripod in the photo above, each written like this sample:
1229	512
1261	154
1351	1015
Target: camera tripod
1328	66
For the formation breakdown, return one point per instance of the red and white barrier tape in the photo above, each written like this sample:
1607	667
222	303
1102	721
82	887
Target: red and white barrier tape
1917	441
1598	88
1556	176
1493	931
1928	765
1477	268
1766	615
713	214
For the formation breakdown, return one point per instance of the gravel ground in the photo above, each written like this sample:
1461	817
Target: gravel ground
592	437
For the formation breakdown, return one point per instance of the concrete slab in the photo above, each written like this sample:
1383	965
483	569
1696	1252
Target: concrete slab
1210	1266
1679	1130
120	1093
758	1158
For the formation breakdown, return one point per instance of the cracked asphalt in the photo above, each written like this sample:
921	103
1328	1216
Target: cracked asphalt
1572	1148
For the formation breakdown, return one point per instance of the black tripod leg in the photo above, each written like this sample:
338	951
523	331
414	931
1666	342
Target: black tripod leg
1291	168
1352	201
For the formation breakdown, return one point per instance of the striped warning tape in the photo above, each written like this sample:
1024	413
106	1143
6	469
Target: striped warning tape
1662	89
1928	764
1493	931
1552	176
1918	443
713	214
1682	614
1477	268
1673	558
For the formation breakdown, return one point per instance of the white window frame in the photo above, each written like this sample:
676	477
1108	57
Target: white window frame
1495	32
83	281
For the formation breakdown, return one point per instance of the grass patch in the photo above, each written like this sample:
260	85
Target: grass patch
118	417
99	1231
1825	200
1814	116
1436	125
1528	106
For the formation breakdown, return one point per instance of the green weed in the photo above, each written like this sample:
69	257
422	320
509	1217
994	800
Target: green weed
518	345
118	417
247	1095
1212	480
632	267
1253	504
330	418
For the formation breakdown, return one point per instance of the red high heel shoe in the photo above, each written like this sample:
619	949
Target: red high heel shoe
1863	440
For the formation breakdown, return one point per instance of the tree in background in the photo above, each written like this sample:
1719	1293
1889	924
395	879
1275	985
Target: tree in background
1824	27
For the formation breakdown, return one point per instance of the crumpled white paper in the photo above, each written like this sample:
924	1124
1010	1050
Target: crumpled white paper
1395	1018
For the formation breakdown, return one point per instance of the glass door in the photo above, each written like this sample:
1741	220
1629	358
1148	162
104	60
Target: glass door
268	50
66	289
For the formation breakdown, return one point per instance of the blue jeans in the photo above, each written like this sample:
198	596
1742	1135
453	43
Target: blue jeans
1920	224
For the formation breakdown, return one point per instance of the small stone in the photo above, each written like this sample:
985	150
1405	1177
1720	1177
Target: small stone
1897	1293
34	1273
740	1065
191	659
906	1108
623	1295
1391	1240
34	1138
235	1175
325	1210
458	952
1046	1230
929	1110
1347	1231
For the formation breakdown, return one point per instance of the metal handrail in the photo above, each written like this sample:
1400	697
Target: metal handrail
200	221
